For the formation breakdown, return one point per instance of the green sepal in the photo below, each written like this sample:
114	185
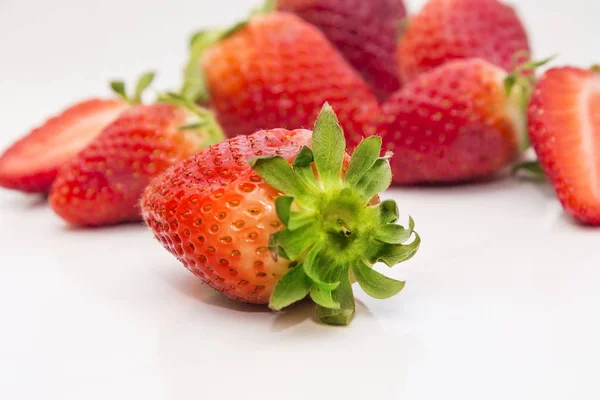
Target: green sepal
321	272
267	7
119	88
206	121
292	287
375	284
293	242
595	68
299	219
377	179
323	297
283	206
363	159
143	83
392	254
328	146
344	296
304	169
388	211
531	170
394	234
279	174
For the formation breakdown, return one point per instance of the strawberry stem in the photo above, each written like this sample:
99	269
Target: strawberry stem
333	234
143	83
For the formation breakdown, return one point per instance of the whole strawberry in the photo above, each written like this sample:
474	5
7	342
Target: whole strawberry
564	128
446	30
277	71
260	230
453	124
103	183
31	164
365	32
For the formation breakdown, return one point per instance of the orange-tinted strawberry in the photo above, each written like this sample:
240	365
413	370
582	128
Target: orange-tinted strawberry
564	128
446	30
260	230
31	164
365	32
453	124
276	71
102	184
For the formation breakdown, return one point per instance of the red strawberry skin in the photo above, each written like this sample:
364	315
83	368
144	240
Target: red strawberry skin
453	124
278	71
365	32
446	30
564	128
31	164
215	214
103	184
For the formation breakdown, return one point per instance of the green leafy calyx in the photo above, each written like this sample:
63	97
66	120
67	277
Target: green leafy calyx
334	230
136	97
203	120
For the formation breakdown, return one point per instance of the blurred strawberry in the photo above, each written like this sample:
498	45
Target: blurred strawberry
277	71
455	123
564	128
102	185
365	32
446	30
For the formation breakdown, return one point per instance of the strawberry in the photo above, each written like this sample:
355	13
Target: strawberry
365	32
446	30
30	165
453	124
277	71
259	230
103	184
564	128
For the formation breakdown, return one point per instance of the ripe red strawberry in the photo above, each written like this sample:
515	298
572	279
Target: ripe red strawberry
31	164
277	71
365	32
244	221
564	128
103	184
455	123
446	30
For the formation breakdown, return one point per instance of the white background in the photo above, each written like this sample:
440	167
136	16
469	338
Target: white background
501	303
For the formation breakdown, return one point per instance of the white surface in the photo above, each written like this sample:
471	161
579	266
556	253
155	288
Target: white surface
501	302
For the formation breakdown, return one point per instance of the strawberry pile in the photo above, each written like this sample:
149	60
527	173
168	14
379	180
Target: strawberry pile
231	182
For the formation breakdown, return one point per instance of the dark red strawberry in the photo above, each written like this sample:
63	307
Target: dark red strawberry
365	32
446	30
103	184
453	124
31	164
277	71
259	230
564	128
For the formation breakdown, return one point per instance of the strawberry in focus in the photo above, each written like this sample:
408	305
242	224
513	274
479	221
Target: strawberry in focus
277	70
454	124
103	183
365	32
31	164
446	30
564	129
260	230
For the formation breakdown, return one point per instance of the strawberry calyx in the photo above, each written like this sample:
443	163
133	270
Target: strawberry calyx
333	233
143	83
518	86
202	120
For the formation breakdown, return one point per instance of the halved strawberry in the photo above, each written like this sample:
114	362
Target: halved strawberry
564	128
31	164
